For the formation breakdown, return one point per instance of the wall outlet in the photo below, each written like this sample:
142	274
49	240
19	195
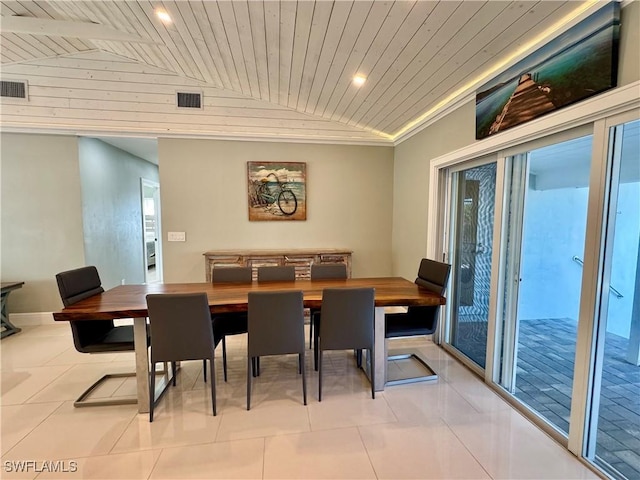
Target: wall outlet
176	236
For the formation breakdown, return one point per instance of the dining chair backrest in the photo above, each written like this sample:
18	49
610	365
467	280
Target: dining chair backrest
231	275
347	323
275	327
180	326
347	318
276	323
78	284
328	270
276	274
433	275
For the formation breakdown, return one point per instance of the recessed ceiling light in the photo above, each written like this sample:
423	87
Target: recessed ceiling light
358	80
163	15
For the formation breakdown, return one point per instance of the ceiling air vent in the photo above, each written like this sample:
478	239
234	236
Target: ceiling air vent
189	100
13	89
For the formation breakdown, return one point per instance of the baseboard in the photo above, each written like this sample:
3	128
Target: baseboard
32	319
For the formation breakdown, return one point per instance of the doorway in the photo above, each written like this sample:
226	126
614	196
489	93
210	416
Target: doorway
152	233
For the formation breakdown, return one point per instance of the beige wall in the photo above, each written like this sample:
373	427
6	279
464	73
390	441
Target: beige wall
203	188
629	66
411	182
457	130
41	216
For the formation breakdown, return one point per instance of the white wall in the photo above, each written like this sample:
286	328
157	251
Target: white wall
204	193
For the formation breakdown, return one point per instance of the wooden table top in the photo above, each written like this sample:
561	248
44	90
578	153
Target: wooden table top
129	301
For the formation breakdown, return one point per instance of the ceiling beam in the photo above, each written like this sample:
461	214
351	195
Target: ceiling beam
64	28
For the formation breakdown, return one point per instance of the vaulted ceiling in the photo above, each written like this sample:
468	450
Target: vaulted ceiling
266	68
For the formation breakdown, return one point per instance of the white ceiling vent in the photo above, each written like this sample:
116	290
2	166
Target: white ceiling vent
189	100
13	89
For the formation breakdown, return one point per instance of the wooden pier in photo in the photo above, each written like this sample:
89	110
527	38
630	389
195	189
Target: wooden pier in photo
528	101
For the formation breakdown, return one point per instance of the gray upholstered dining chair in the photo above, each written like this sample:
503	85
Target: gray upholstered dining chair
180	325
94	336
273	274
276	327
326	271
276	274
232	323
347	323
419	320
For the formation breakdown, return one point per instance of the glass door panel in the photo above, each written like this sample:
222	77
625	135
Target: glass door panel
613	439
472	221
545	244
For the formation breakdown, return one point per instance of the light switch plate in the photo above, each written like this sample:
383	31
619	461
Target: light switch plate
176	236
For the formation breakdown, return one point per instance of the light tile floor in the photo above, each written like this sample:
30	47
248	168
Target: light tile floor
453	428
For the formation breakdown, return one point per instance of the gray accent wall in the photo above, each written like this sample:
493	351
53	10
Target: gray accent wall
203	188
112	210
41	215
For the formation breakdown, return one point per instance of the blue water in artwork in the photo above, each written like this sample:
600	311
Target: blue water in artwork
491	106
581	71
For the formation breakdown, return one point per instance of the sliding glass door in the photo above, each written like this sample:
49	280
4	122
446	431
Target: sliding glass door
549	190
473	191
613	426
544	297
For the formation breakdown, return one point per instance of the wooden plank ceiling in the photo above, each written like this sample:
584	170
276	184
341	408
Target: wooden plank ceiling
266	68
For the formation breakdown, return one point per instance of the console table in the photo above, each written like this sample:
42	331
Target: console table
7	327
301	259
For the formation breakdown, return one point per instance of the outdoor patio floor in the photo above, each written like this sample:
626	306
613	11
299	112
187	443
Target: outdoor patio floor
546	356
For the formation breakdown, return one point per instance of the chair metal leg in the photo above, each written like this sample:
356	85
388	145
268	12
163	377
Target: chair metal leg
82	402
431	375
315	346
152	390
213	383
320	352
304	378
373	377
249	376
174	371
224	357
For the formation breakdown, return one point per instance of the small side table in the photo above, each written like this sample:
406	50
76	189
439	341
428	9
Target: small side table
7	327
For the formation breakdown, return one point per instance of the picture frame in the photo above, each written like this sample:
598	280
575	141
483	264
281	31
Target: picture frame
277	191
580	63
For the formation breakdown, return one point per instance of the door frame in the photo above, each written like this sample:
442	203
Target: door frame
144	182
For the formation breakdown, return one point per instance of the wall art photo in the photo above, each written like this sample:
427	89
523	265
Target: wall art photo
580	63
277	191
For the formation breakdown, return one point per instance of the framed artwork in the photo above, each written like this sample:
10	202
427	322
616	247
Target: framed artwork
277	191
581	62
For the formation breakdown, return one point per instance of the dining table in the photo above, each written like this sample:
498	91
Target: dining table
129	301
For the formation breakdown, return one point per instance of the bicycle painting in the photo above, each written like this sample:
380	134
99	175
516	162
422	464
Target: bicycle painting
277	191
